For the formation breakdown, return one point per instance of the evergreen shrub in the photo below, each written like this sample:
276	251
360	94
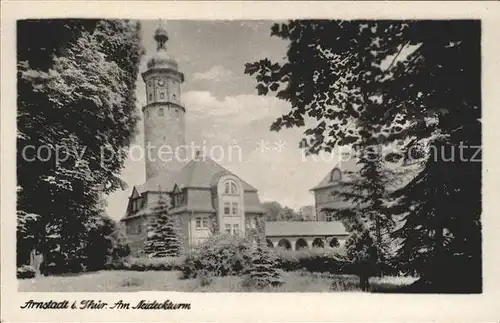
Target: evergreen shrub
220	255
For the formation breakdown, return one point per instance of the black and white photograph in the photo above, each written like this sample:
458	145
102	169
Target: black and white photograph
327	156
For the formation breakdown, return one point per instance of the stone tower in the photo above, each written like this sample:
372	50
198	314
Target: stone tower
164	124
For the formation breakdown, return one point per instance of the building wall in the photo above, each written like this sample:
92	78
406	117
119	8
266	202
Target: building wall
183	227
198	235
136	233
325	198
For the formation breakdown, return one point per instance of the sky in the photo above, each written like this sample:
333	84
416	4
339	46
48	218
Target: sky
223	109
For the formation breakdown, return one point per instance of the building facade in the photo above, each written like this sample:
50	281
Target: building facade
326	198
205	197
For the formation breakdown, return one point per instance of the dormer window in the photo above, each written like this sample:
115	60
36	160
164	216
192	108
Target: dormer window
335	175
179	199
230	188
137	204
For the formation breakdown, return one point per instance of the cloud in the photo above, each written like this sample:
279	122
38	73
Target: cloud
238	109
215	73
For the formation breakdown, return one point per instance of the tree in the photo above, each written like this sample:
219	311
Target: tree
276	212
272	210
307	213
263	269
76	104
26	234
369	193
412	82
105	243
163	237
362	254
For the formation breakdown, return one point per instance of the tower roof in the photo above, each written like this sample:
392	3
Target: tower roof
161	59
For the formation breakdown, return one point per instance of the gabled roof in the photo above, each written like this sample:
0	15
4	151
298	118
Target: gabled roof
347	168
304	228
350	168
198	173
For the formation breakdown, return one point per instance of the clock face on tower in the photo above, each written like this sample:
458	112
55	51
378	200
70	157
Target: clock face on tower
160	82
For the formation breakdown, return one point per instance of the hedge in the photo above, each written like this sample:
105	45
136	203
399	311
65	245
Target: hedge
25	271
148	264
313	260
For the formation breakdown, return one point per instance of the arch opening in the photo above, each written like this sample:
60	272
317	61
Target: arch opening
334	243
285	244
318	243
300	244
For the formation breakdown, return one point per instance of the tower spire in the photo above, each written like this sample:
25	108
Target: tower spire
161	36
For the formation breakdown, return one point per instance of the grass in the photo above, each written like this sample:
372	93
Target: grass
133	281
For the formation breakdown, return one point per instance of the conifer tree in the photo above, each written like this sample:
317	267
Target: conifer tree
263	269
163	237
362	253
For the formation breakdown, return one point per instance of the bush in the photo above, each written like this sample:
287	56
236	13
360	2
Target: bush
25	271
148	264
204	278
220	255
314	260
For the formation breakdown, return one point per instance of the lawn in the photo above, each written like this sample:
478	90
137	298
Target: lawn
132	281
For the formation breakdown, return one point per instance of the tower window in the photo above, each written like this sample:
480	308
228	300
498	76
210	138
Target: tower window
173	96
160	112
177	114
150	97
162	95
147	114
